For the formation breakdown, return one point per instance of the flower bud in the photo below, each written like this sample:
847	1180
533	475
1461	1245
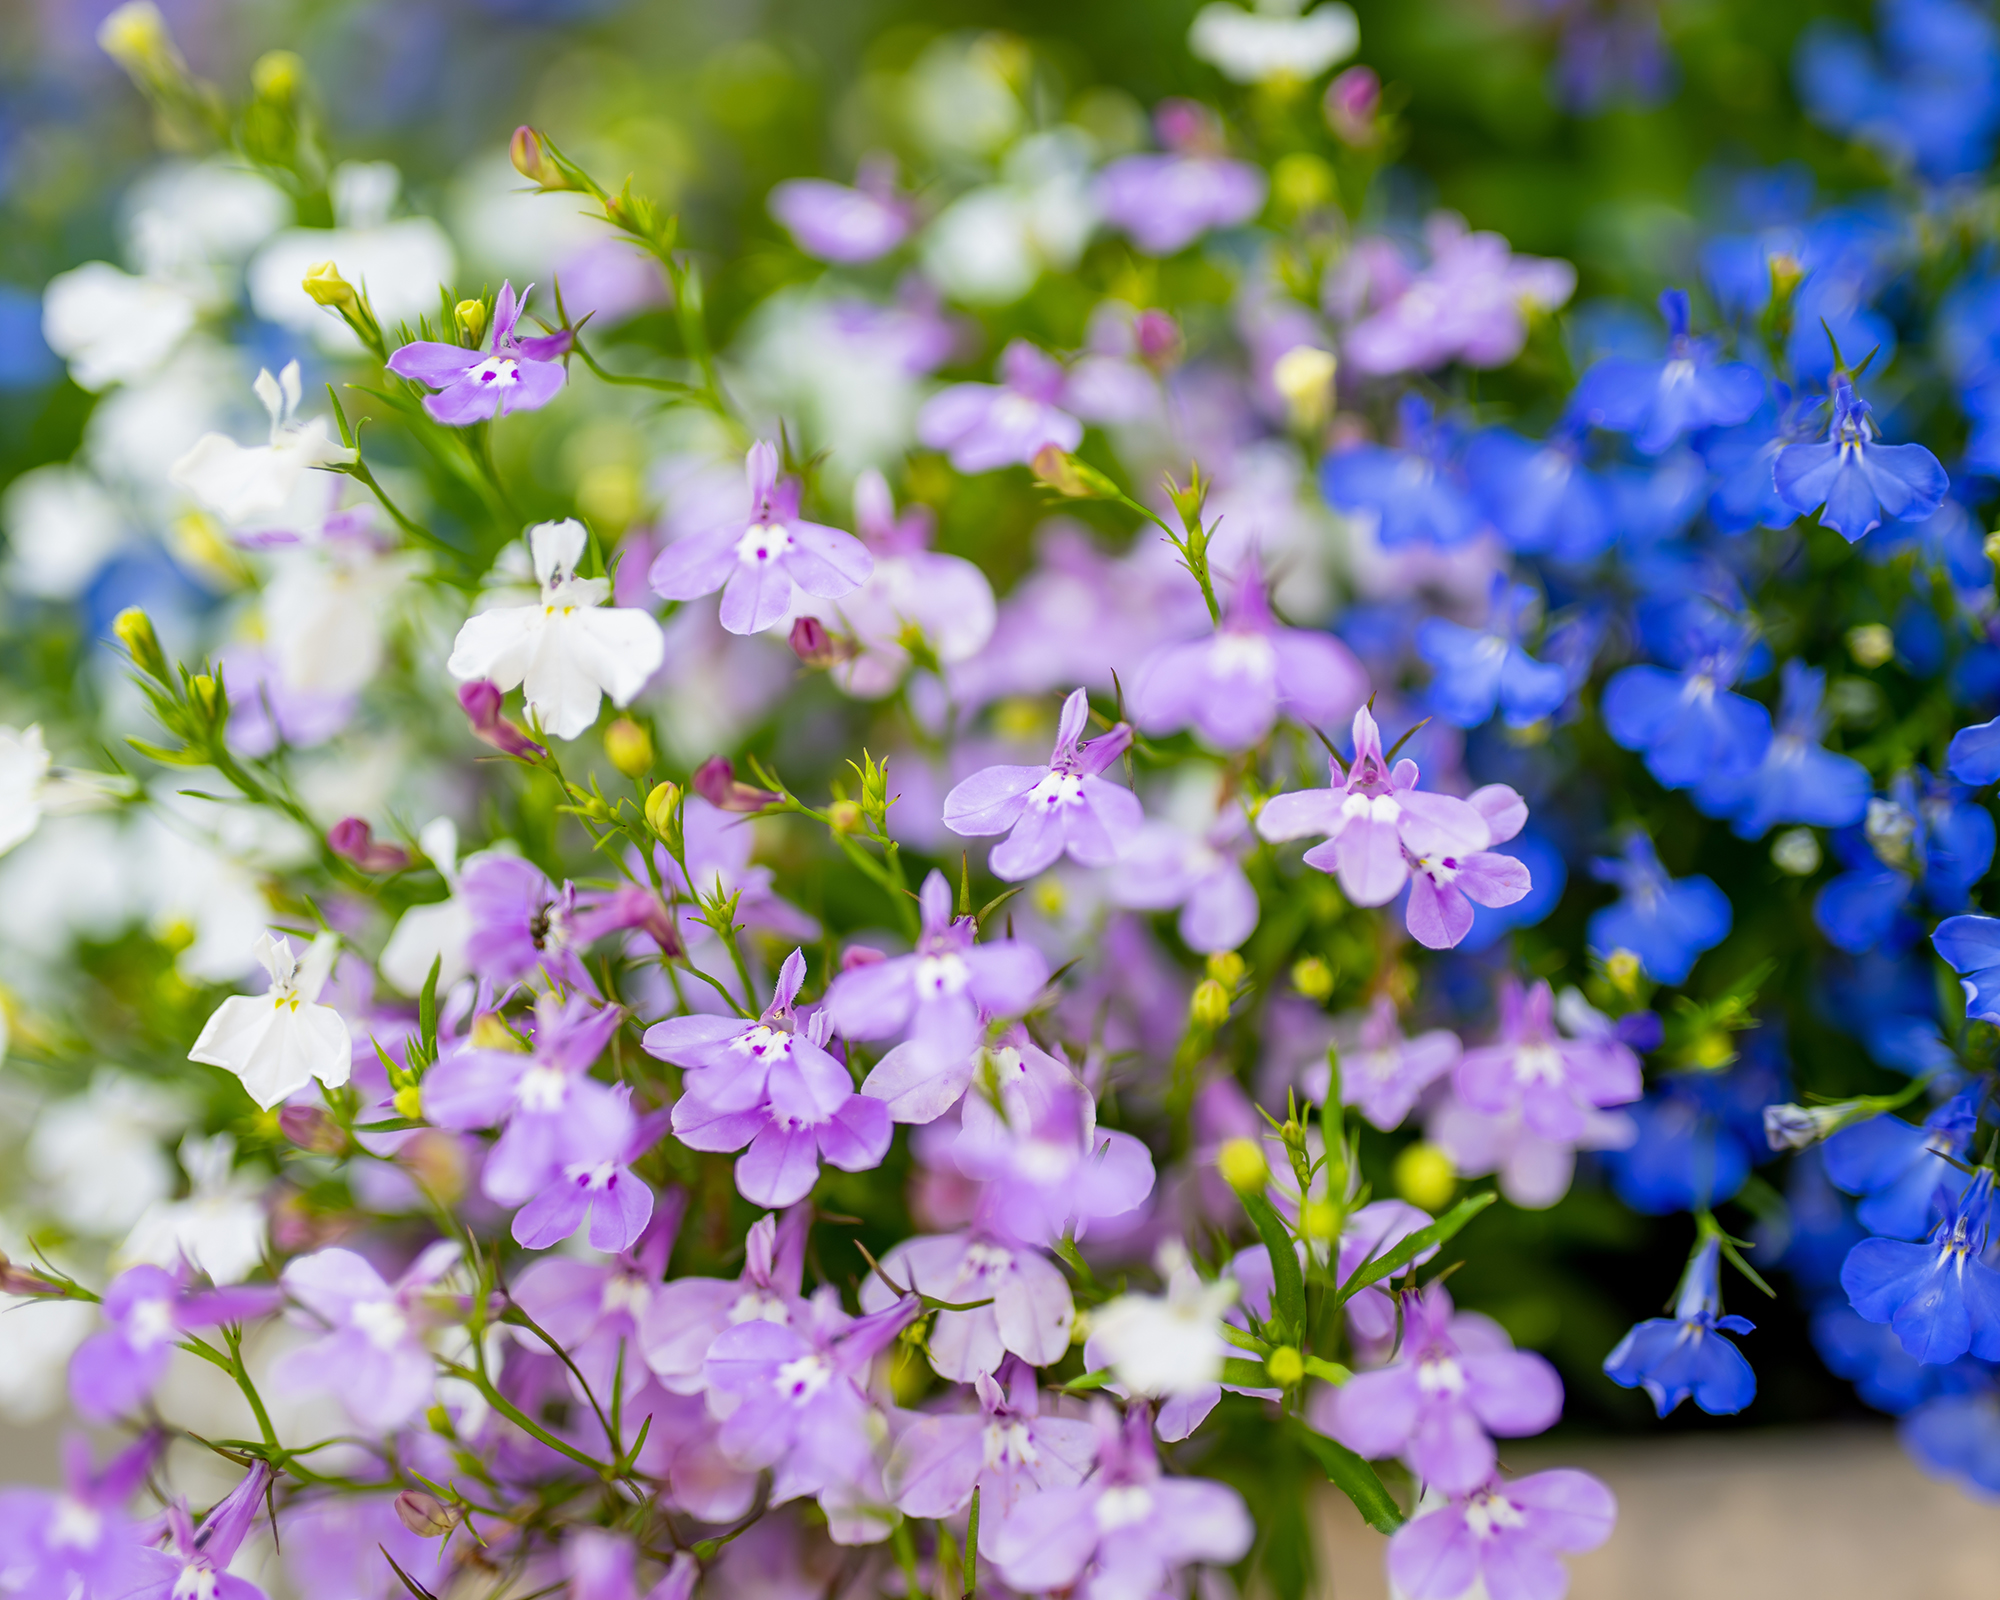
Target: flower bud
814	645
716	782
860	955
202	690
134	630
1226	968
425	1515
470	315
1054	468
1303	377
1313	978
1242	1165
660	807
847	816
1991	545
1209	1007
408	1102
277	76
1158	338
480	701
1285	1365
1424	1176
136	37
533	160
490	1032
353	840
24	1281
1793	1127
1871	644
324	284
629	746
312	1129
1353	102
1318	1220
1787	272
1796	852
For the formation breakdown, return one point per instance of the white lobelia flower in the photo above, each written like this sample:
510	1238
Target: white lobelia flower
570	649
433	934
325	609
62	526
112	327
1167	1344
1274	41
30	788
96	1157
218	1228
243	483
279	1041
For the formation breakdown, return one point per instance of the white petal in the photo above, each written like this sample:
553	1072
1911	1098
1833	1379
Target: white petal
499	644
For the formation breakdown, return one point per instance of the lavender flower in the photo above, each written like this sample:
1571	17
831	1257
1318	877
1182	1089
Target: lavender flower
1004	1450
521	925
114	1372
1381	1072
1506	1536
683	1319
1233	686
1064	807
985	425
1456	1382
836	223
1168	866
1126	1529
595	1185
758	562
594	1309
372	1356
1552	1081
1166	202
195	1566
1029	1314
77	1539
1382	831
515	375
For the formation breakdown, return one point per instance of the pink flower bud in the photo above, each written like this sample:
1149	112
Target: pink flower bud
860	955
1158	337
425	1515
481	701
1353	102
352	839
716	782
312	1129
1187	128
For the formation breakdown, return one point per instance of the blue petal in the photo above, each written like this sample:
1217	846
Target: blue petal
1529	689
1638	702
1856	910
1974	756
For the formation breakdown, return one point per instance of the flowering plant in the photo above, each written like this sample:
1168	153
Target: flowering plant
734	1026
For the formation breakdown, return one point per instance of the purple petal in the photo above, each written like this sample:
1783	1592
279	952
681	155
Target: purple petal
990	801
435	364
781	1166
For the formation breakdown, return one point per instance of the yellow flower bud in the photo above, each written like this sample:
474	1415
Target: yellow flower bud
1285	1365
328	288
135	36
277	75
1317	1219
1226	968
1302	182
202	691
1210	1005
409	1102
629	745
1713	1051
1303	377
1425	1177
534	161
1054	468
1624	969
471	318
846	816
1313	978
1786	274
134	630
490	1033
1871	644
1242	1165
660	807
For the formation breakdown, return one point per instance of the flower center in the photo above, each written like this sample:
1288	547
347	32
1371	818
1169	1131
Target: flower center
1485	1513
941	976
1248	656
800	1379
382	1321
151	1324
75	1526
761	1042
496	372
195	1583
1057	790
1538	1063
542	1089
1441	1375
594	1176
1123	1506
762	543
626	1293
758	1307
984	1259
1010	1442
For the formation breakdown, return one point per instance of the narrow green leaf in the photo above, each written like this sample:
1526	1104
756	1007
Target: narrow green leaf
1089	1381
1247	1374
1393	1261
1288	1294
1353	1477
427	1008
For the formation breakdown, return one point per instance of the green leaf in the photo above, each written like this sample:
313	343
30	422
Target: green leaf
1247	1374
1288	1292
1089	1381
1389	1264
1353	1477
427	1008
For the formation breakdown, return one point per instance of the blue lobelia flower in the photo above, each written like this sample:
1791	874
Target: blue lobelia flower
1974	756
1539	495
1853	482
1939	1296
1822	1226
1416	492
1888	999
1686	722
1658	402
1798	780
1958	1436
1897	1166
1673	1358
1951	539
1481	668
1665	922
1883	1373
1699	1135
1741	459
1940	844
1970	946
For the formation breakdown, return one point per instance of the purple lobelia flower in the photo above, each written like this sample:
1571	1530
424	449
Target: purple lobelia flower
1005	1449
836	223
1383	832
1234	685
1658	402
1167	866
1029	1311
1506	1536
684	1317
542	1098
938	991
1457	1381
1381	1072
115	1371
515	375
195	1565
1166	202
758	563
595	1186
1064	807
988	425
1853	482
1684	1355
1125	1530
594	1309
522	925
1941	1298
372	1355
77	1540
1552	1081
792	1396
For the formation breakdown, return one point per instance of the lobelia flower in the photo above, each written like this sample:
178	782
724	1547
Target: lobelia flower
1381	1072
938	991
760	563
250	483
1940	1297
1166	202
1417	494
1004	1450
1853	482
372	1357
1539	495
112	327
569	649
1166	1344
77	1540
31	788
1479	670
1505	1536
1896	1166
1673	1358
1665	922
1685	721
278	1042
1552	1081
1970	946
773	1088
595	1309
195	1566
217	1228
517	374
1922	840
836	223
115	1371
987	425
1030	1309
1798	780
683	1317
1382	832
1234	685
1125	1530
1167	866
519	923
1046	812
1658	402
1456	1382
595	1186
